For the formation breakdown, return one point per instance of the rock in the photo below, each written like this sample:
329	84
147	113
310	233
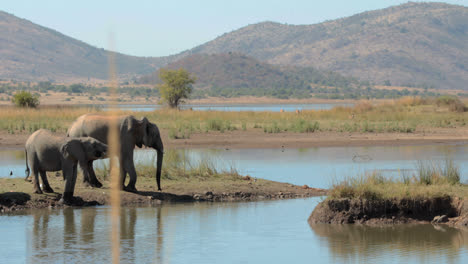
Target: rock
246	178
440	219
305	186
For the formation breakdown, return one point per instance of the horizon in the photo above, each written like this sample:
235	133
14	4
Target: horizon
138	32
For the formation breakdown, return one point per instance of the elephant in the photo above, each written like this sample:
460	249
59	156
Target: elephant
47	152
132	132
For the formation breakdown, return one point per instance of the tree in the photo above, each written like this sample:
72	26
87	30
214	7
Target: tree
26	99
176	86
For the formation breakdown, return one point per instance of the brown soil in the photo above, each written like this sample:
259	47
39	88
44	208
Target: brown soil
393	211
256	138
16	194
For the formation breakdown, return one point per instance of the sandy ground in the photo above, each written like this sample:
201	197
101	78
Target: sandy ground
256	138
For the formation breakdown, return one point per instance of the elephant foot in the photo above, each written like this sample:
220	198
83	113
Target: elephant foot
48	190
94	184
130	189
67	199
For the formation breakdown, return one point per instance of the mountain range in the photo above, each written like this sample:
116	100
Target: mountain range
413	44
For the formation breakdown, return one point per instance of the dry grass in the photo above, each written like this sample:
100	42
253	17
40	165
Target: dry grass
405	115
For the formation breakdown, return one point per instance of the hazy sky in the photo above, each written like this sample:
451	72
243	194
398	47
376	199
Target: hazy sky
159	28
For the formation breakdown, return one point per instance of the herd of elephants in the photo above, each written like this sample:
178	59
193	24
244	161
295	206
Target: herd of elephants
86	141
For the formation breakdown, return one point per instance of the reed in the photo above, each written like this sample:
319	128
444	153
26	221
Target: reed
430	180
178	166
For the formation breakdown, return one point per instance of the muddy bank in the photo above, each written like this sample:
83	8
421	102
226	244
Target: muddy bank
438	210
257	138
16	194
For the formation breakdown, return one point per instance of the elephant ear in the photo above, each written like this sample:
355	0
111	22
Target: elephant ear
137	128
73	150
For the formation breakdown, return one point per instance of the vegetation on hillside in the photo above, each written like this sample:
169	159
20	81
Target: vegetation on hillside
233	75
413	44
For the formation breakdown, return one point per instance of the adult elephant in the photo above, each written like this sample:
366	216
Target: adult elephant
132	132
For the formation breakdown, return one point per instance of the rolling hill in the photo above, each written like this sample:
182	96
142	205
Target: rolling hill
237	71
414	44
32	52
411	44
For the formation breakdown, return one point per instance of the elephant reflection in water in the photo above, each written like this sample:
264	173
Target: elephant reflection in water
80	231
128	218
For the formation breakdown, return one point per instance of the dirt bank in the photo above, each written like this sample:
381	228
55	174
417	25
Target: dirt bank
256	138
443	209
16	194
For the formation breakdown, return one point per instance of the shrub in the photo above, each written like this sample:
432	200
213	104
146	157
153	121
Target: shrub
25	99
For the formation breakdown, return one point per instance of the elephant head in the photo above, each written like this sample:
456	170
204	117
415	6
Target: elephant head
84	149
147	133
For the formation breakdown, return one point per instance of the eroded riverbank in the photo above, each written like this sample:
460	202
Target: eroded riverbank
16	194
443	209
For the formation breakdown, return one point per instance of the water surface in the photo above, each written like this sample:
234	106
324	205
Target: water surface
317	167
239	107
253	232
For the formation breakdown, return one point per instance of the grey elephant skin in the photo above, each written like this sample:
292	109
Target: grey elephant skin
47	152
132	132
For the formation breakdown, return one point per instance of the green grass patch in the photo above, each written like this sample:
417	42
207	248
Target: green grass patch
430	180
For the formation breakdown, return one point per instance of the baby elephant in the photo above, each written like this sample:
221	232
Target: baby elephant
47	152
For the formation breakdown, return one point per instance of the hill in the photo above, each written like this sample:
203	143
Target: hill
414	44
32	52
411	44
234	74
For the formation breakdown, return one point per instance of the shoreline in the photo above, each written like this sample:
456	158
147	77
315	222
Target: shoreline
256	138
16	194
448	210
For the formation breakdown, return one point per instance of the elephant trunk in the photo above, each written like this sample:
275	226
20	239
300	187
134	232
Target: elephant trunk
159	167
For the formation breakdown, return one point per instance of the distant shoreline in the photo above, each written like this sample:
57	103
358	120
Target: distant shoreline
61	99
256	138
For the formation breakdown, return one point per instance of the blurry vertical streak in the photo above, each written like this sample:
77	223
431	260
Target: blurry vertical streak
114	154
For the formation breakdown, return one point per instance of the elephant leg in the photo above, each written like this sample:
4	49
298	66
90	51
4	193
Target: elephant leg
70	172
45	182
123	174
35	172
130	168
92	176
89	177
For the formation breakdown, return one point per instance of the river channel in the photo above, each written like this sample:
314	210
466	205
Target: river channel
242	232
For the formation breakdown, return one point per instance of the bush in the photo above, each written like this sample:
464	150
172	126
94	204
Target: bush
25	99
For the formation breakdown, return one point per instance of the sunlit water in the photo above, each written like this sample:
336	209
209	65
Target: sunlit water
317	167
239	107
253	232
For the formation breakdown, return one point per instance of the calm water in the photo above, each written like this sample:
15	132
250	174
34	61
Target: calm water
240	107
255	232
317	167
258	232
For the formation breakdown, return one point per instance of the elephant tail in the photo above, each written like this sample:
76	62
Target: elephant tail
27	167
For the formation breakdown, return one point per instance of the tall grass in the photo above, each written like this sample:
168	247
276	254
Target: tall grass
406	115
430	179
178	165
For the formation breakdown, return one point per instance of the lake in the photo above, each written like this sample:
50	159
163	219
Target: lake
317	167
253	232
237	107
240	232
